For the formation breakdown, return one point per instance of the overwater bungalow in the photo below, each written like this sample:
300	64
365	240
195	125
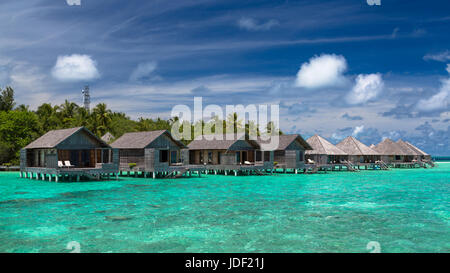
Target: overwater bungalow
72	153
150	153
290	153
420	155
324	153
358	153
394	154
229	152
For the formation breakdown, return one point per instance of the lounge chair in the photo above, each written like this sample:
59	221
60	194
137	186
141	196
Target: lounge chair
247	163
68	165
311	161
60	164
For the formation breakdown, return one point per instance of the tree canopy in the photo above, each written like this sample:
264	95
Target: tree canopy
19	125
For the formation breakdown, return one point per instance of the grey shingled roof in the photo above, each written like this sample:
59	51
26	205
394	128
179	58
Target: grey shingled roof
352	146
107	137
407	148
389	147
140	140
321	146
226	141
52	138
416	149
286	140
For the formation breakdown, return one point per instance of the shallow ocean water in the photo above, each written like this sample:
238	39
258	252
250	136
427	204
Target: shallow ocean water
403	210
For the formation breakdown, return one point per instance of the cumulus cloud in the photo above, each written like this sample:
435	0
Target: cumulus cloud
358	130
143	71
322	71
439	101
366	88
75	68
73	2
253	25
443	56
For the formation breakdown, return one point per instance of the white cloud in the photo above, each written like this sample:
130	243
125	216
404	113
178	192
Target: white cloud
439	101
75	68
322	71
143	71
358	130
73	2
366	88
440	57
253	25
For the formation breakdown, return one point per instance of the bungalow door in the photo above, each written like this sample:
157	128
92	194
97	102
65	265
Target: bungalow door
74	158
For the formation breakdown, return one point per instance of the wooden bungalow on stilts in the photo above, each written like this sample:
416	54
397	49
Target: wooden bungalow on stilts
154	153
325	155
419	157
229	153
361	155
423	156
73	153
290	153
394	154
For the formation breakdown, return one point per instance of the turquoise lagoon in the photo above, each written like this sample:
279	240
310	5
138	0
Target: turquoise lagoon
402	210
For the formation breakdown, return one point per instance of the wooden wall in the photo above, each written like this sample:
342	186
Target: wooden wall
80	141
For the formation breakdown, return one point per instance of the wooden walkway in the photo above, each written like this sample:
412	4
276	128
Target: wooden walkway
72	174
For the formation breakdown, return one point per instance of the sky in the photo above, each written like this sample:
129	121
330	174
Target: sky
336	68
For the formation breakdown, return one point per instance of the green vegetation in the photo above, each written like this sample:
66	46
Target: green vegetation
19	125
132	165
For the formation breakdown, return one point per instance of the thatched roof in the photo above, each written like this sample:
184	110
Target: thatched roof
322	146
389	147
140	140
407	148
372	146
286	140
219	142
108	137
352	146
416	149
52	138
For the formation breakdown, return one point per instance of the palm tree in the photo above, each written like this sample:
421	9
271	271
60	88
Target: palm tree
234	124
102	119
67	112
82	118
48	116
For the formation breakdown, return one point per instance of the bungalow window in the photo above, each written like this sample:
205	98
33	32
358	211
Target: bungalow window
173	157
301	156
238	157
397	157
266	156
258	156
219	154
163	156
210	157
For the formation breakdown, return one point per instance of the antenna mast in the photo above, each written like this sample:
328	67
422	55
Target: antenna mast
86	98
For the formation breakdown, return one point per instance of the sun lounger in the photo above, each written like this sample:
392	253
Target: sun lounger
68	165
311	161
60	164
247	163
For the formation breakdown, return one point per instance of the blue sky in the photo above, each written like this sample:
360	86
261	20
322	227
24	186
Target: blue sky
336	68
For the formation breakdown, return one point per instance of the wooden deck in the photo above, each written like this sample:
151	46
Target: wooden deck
73	174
